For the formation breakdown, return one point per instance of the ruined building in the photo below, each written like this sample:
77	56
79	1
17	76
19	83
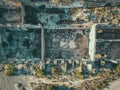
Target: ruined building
49	32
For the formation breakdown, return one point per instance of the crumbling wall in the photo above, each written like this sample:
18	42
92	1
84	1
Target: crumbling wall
60	42
67	15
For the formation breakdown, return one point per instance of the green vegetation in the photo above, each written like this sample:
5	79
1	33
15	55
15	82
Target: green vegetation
9	69
77	74
63	73
56	71
10	66
117	69
9	72
50	87
39	72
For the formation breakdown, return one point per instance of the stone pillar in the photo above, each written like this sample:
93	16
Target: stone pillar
22	12
55	61
41	65
42	46
73	64
62	61
1	47
0	39
48	62
80	67
70	61
64	66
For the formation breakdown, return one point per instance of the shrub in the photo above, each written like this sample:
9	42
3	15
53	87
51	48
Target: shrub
56	71
117	68
79	74
10	66
63	73
39	72
50	88
9	72
10	69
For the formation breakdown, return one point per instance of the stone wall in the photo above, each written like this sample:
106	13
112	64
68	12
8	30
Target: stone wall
76	16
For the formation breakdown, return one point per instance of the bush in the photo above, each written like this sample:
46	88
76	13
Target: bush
39	72
10	66
117	68
63	73
56	71
10	69
50	88
9	72
79	74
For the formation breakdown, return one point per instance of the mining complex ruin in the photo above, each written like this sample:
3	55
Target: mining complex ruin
64	33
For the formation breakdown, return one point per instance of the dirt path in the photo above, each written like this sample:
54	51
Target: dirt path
4	83
115	85
8	83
